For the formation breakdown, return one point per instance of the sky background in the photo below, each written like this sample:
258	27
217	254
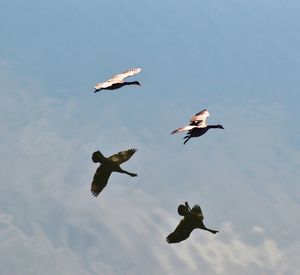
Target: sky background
237	58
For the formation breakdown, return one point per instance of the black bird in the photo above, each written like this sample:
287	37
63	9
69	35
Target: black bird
117	81
107	166
193	218
197	126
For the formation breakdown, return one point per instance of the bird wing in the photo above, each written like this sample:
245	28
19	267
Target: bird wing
100	179
182	232
120	77
197	211
122	156
199	119
103	85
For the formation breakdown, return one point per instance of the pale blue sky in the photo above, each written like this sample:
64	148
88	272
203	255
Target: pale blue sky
237	58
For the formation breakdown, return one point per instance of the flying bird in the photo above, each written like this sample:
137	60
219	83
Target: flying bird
107	166
193	218
197	126
117	81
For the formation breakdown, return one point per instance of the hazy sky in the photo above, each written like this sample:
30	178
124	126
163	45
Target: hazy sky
237	58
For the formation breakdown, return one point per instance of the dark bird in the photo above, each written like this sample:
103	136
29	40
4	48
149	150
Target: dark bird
193	218
107	166
197	126
117	81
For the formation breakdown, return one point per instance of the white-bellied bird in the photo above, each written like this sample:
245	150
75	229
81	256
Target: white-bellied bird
197	126
117	81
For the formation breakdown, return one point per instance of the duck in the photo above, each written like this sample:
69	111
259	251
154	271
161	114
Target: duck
197	126
117	81
193	218
107	166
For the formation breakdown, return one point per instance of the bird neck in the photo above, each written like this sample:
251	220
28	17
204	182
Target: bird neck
213	126
130	83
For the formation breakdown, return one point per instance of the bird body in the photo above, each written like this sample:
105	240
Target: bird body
117	81
199	131
193	218
107	166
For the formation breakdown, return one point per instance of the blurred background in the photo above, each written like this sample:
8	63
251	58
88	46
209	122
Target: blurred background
237	58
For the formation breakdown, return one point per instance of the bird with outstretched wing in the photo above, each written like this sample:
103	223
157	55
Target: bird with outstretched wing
193	218
117	81
107	166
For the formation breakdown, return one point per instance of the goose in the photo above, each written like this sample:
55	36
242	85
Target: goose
197	126
193	218
107	166
117	81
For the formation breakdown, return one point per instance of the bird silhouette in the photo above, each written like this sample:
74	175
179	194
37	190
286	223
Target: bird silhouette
107	166
117	81
197	126
193	218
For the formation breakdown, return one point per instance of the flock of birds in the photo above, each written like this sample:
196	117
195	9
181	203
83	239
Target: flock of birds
192	218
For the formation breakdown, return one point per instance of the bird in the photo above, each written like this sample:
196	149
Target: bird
197	126
107	166
193	218
117	81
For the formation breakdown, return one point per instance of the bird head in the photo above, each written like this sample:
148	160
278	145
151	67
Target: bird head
97	157
137	83
220	126
182	210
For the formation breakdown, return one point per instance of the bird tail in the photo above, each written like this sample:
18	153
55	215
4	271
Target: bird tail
177	130
98	157
185	128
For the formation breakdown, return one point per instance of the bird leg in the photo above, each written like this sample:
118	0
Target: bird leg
187	138
128	173
210	230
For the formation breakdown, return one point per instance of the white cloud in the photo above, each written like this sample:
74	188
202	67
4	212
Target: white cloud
50	223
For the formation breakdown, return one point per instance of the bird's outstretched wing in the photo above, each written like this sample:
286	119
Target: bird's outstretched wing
197	211
103	85
182	232
199	118
100	179
122	156
120	77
